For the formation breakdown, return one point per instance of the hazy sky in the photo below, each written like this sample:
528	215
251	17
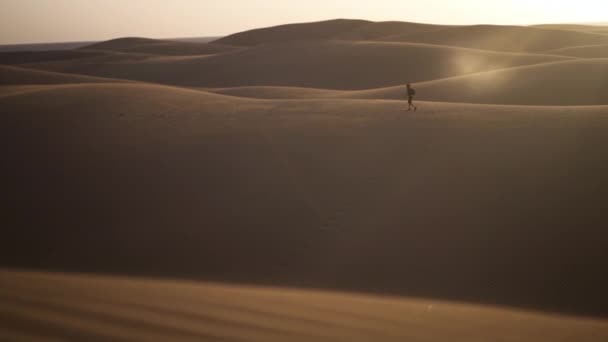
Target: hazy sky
25	21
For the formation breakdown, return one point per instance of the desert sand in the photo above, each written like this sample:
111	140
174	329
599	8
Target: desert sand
83	307
345	65
286	158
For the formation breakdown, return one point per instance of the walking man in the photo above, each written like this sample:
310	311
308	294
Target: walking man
411	92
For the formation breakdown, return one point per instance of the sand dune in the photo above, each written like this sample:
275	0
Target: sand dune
486	37
570	83
159	47
585	51
263	92
581	82
291	161
84	307
126	59
293	32
345	194
580	28
379	30
327	30
503	38
318	64
11	75
23	57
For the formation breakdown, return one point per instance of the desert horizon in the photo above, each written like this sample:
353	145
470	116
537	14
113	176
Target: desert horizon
275	184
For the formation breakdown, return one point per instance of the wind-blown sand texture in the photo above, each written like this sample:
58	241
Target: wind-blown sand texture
46	306
286	157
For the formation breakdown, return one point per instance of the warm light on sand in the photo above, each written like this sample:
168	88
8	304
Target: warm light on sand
91	307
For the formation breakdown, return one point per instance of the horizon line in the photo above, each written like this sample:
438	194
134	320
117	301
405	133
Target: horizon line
95	40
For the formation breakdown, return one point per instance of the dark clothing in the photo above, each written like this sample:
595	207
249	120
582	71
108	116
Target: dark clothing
410	97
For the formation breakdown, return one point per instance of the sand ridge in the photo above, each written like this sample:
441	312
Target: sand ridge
312	64
13	75
159	47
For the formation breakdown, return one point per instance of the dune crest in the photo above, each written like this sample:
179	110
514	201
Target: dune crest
159	47
345	65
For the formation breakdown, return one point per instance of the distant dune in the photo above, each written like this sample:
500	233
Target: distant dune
294	32
42	46
486	37
379	30
585	51
503	38
11	75
24	57
40	306
327	30
159	47
314	64
600	29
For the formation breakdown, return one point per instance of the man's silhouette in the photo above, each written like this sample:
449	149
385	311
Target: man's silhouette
410	97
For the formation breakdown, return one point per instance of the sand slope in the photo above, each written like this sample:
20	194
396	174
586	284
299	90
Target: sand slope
585	51
159	47
580	82
503	38
22	57
293	32
379	30
318	64
11	75
264	92
486	37
327	30
334	193
601	29
45	306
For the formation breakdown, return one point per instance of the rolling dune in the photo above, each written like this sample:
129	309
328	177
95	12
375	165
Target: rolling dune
23	57
503	38
485	37
336	193
601	29
578	82
379	30
585	51
581	82
46	306
159	47
286	93
318	64
293	32
12	75
341	29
